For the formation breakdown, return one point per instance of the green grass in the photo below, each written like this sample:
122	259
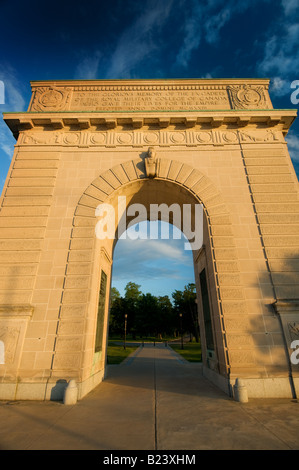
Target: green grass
116	354
191	351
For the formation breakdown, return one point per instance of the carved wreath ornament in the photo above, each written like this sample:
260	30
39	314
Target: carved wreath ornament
294	330
247	97
51	98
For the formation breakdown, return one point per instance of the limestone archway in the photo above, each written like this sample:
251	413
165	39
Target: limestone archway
220	143
78	312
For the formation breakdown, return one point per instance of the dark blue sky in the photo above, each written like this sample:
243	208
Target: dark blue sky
147	39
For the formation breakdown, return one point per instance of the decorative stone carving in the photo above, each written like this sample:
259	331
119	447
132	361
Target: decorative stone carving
151	163
266	136
140	138
51	98
106	96
40	138
294	330
247	97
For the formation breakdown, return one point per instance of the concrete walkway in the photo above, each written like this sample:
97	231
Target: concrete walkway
153	401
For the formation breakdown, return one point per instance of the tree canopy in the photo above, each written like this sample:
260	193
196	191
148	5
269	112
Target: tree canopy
149	315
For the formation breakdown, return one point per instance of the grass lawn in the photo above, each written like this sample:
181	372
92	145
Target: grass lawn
116	354
191	351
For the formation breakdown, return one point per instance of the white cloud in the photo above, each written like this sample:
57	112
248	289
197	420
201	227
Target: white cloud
132	47
152	250
6	143
14	101
139	40
215	23
279	54
281	59
87	69
290	6
193	33
293	146
280	86
146	259
204	21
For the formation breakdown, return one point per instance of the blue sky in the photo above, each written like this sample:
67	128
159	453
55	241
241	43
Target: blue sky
149	39
160	266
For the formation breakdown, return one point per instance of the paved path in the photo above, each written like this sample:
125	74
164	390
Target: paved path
154	401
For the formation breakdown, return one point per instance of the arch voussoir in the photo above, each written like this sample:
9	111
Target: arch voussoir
163	168
110	178
193	179
120	174
130	170
90	201
102	184
184	173
95	192
174	170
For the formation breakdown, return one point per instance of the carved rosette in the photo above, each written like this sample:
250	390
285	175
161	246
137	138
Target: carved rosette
247	97
51	99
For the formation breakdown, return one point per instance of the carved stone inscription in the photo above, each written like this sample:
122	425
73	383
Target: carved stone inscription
155	95
148	100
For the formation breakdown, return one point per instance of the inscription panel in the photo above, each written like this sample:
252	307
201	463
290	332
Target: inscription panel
163	95
147	100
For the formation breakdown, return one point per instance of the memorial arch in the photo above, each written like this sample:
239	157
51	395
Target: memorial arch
218	143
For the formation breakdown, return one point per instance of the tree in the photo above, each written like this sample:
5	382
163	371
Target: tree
132	291
185	303
155	316
117	315
114	294
132	296
167	317
146	315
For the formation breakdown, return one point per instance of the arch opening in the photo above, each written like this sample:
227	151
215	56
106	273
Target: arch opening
139	198
154	277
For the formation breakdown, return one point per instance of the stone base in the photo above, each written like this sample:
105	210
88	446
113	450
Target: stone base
49	391
217	379
275	387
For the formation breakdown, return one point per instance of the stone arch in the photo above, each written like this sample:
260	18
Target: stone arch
79	296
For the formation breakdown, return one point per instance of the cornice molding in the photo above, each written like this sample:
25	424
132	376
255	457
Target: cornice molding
203	120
